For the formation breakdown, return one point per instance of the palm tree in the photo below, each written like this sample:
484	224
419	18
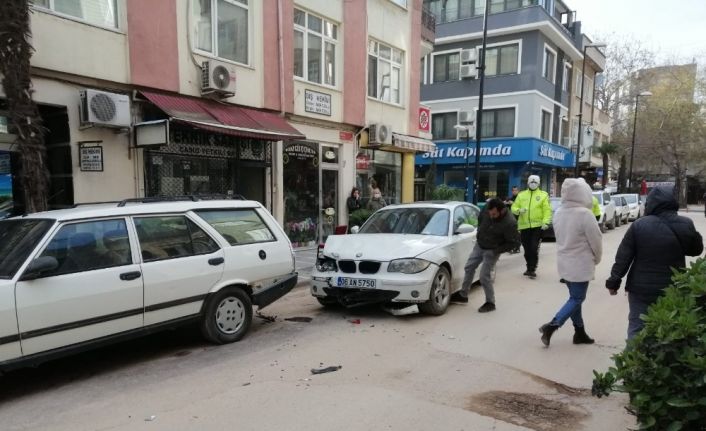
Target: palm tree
606	150
15	54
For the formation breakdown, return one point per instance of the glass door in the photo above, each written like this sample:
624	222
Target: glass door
329	202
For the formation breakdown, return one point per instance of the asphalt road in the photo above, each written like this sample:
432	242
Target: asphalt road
460	371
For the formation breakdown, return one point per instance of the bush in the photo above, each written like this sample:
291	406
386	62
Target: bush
358	217
663	369
446	193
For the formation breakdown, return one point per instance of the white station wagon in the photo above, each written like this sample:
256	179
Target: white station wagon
409	253
76	278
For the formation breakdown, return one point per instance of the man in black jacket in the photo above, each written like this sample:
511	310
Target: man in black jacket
497	234
650	249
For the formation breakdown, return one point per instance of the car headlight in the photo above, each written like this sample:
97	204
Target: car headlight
326	265
408	266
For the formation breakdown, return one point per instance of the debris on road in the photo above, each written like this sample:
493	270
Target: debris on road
150	418
326	370
299	319
411	309
246	384
266	318
355	321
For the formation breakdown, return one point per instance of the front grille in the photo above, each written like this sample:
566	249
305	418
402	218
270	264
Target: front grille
347	266
369	267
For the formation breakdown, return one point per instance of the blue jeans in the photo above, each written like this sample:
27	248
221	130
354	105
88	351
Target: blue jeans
638	306
572	308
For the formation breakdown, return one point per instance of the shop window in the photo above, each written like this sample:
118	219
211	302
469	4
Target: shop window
171	237
315	46
447	67
221	28
442	125
301	192
498	123
546	126
382	170
384	72
238	227
103	13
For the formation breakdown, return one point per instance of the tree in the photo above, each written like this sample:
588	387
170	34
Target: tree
606	150
15	55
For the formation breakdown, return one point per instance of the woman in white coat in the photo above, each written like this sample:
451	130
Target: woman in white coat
579	249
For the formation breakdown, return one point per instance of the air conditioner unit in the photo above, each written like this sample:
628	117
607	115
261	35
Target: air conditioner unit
217	78
466	117
468	71
468	55
379	134
100	108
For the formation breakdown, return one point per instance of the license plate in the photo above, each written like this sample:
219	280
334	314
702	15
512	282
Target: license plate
361	283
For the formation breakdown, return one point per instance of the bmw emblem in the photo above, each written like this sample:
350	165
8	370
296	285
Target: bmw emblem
358	254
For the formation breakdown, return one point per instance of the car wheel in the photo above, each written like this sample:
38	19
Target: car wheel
611	225
327	302
618	221
601	226
439	295
227	316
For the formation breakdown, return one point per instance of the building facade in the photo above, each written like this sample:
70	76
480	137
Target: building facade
533	63
271	100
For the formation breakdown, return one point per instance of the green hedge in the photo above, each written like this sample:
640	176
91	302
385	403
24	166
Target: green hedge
663	369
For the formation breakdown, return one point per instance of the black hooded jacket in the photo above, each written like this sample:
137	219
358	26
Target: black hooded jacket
653	245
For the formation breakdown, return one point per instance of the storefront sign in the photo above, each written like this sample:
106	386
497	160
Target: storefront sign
318	103
301	151
345	135
463	152
91	159
547	151
197	143
424	119
362	162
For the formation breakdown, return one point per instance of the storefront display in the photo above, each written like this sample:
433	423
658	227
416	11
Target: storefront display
301	192
379	169
6	202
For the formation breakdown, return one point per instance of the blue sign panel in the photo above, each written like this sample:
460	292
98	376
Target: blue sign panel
500	151
5	185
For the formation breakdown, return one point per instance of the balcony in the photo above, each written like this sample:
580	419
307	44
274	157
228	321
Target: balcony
428	26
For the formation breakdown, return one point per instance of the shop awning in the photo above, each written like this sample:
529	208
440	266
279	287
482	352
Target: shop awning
412	143
218	117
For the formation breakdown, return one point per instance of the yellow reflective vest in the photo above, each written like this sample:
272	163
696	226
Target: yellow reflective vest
596	207
539	210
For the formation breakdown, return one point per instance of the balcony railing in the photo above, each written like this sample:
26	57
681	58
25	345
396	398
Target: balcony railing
428	25
473	8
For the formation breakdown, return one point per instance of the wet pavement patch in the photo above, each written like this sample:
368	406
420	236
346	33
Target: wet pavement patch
527	410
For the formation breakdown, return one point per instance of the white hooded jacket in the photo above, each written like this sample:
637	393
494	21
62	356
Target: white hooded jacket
578	237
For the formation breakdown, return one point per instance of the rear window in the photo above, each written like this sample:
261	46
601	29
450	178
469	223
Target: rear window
17	240
243	226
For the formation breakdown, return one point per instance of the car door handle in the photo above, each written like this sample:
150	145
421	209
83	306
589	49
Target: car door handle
127	276
216	261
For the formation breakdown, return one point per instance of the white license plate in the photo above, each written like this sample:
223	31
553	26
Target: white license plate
361	283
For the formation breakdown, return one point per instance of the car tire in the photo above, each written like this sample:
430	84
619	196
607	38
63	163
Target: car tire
227	316
439	294
618	221
327	302
611	225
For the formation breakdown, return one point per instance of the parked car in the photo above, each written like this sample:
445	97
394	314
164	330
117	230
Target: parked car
622	209
91	275
549	233
608	217
409	253
636	204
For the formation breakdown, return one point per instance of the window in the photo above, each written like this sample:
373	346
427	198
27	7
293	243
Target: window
423	70
565	81
465	214
588	91
442	125
502	60
579	80
454	10
498	123
497	6
402	3
315	41
546	126
170	237
238	226
88	246
549	68
384	72
18	238
222	28
447	67
472	215
98	12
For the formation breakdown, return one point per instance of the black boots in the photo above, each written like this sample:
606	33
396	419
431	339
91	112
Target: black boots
547	331
581	337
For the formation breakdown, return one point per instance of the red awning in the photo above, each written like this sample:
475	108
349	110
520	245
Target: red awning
225	118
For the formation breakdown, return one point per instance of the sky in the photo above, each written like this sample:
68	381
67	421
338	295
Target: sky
676	29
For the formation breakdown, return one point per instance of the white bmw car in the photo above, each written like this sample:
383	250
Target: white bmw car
409	253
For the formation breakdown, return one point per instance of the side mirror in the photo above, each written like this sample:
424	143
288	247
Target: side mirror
355	229
40	266
465	228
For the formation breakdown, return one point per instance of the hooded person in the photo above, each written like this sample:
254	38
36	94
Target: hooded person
376	201
579	249
651	247
534	214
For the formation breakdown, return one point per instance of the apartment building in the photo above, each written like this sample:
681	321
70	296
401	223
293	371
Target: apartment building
533	68
291	103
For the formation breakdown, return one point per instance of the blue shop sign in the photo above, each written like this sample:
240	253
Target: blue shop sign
518	150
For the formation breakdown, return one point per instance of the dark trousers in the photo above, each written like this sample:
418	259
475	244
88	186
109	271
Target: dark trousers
638	306
531	239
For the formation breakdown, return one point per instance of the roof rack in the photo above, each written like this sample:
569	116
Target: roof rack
79	204
192	198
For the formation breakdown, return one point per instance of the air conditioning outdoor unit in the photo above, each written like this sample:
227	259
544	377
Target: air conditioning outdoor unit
379	134
468	71
100	108
468	56
217	78
466	117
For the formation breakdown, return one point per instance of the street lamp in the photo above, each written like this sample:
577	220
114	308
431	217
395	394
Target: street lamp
479	115
583	81
634	127
467	128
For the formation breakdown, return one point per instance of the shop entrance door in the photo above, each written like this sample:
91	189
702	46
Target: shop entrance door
329	202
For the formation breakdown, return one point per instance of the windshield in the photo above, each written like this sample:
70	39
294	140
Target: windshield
412	221
631	199
17	240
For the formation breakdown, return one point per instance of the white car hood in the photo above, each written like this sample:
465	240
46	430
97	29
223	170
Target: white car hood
380	247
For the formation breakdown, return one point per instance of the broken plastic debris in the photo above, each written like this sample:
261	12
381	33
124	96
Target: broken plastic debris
355	321
299	319
326	370
151	418
266	318
412	309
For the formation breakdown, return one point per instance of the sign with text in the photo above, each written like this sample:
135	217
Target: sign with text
424	119
317	103
346	135
91	159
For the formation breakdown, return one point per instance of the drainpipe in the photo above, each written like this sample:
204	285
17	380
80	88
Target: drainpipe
280	28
